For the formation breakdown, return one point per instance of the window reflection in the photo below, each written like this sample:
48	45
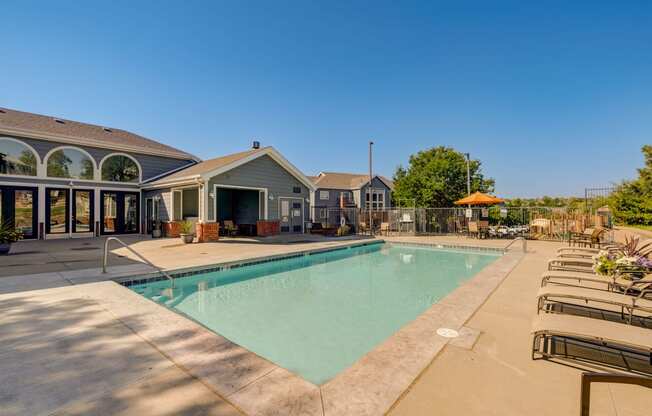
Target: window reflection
58	220
16	159
82	211
23	212
70	163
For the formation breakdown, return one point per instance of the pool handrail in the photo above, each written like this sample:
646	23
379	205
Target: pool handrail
524	245
105	258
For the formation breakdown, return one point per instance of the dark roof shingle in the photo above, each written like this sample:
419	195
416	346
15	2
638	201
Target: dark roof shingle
53	128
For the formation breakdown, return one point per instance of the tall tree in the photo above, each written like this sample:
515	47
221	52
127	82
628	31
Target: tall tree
632	200
436	178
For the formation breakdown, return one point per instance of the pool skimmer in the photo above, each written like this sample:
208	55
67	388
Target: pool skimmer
447	333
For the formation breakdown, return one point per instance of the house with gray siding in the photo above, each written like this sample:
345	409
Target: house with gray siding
257	190
64	179
337	190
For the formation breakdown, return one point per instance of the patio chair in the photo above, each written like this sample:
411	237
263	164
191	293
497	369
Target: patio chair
384	228
474	230
625	347
595	299
362	227
229	228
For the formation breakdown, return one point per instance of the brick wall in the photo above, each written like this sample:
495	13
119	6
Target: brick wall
267	228
207	231
171	229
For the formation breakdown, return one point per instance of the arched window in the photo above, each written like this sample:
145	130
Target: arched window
16	158
120	168
70	163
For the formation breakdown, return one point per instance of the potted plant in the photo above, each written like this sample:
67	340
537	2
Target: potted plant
8	235
186	231
156	231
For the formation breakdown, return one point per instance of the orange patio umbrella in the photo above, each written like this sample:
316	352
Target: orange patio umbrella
479	198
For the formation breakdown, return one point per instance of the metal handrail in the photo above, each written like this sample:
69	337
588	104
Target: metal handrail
105	258
515	240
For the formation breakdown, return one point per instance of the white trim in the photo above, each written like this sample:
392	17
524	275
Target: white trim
172	217
371	200
170	172
190	180
140	168
39	162
56	149
303	213
52	137
251	188
269	151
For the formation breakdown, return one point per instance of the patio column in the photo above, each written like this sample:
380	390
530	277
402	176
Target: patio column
206	230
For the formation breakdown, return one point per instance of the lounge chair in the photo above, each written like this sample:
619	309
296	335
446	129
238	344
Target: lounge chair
567	337
594	299
591	237
595	281
571	264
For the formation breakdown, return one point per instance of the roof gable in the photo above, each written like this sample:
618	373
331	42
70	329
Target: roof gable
213	167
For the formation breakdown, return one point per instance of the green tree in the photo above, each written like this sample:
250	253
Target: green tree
632	200
437	177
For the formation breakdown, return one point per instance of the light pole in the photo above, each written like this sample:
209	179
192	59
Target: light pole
370	190
468	175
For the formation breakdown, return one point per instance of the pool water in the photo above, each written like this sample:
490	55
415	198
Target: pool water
316	315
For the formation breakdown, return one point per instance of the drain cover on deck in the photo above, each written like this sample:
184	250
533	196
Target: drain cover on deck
448	333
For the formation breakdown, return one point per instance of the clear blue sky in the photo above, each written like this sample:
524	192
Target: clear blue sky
552	97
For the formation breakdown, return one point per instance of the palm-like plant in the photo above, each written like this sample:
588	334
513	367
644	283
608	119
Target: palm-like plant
631	248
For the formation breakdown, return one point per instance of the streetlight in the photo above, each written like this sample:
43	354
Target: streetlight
371	143
468	173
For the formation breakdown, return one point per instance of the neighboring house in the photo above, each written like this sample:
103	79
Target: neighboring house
61	178
348	190
255	188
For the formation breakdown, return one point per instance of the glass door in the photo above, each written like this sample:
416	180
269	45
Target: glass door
57	210
120	212
82	213
130	213
18	206
109	212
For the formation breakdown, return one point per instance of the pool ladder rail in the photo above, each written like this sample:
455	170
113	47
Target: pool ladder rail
524	245
105	258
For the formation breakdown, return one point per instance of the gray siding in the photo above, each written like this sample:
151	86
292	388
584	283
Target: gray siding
264	172
377	184
333	200
358	196
152	165
165	205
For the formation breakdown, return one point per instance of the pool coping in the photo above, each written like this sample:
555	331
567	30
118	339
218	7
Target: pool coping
255	385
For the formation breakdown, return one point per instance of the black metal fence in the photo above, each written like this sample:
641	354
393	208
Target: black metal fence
493	222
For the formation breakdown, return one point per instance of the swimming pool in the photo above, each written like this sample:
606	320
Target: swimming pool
315	315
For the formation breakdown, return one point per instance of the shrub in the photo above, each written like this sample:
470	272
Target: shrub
186	227
8	233
343	230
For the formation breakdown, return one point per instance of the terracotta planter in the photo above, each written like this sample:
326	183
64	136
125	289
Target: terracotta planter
4	248
186	238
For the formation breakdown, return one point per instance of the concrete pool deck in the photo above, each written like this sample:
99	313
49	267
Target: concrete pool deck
81	350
